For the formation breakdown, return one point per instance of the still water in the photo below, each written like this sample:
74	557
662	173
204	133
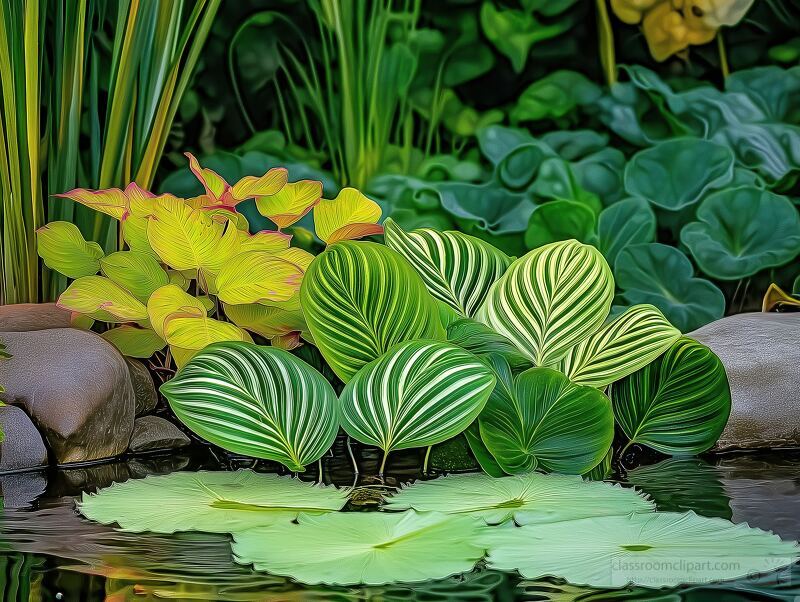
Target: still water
49	553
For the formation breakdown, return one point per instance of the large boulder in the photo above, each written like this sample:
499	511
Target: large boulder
22	446
75	386
25	317
761	355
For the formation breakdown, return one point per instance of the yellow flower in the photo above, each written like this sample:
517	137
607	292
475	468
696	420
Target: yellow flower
632	11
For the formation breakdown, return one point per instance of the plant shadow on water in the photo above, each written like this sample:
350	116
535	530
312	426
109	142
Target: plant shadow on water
47	549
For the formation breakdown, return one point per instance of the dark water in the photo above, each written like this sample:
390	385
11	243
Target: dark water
49	553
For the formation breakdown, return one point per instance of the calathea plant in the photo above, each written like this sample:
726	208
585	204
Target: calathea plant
248	282
439	333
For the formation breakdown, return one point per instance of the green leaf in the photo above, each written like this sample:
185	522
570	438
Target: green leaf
419	393
136	272
663	276
63	249
540	420
627	343
458	269
520	167
677	173
550	300
677	405
560	220
134	341
481	340
360	299
258	401
530	498
364	547
625	223
554	96
103	300
217	502
742	231
257	277
478	448
616	551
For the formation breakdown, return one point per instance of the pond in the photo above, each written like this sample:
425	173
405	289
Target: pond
50	553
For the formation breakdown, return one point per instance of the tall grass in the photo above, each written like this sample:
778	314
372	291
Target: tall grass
89	91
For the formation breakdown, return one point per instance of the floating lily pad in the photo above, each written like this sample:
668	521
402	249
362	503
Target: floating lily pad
372	548
742	231
653	550
531	498
217	502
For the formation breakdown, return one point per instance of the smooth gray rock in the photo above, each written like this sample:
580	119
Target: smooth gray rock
144	389
26	317
23	446
761	355
75	386
20	489
152	433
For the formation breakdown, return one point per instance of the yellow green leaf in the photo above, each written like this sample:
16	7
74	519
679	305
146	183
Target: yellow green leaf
350	215
188	335
291	203
138	273
112	201
179	279
169	300
103	300
63	249
256	186
134	233
267	321
215	185
266	240
134	341
297	256
257	276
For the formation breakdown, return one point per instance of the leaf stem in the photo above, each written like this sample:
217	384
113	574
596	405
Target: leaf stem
723	55
427	457
383	463
605	35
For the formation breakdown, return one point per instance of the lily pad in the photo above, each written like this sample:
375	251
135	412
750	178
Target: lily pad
372	548
677	173
216	502
614	551
663	276
742	231
530	498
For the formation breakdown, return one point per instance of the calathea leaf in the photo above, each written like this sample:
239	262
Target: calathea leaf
63	249
258	401
419	393
481	340
627	343
550	300
360	299
458	269
540	420
677	405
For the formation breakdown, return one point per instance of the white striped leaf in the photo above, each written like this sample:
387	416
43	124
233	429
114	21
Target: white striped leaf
627	343
458	269
550	300
360	299
258	401
418	394
539	420
679	404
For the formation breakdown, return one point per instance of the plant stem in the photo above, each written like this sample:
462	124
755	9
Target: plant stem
352	457
427	457
605	34
723	55
383	463
319	476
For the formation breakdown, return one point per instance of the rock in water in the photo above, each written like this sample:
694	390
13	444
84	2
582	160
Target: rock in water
151	433
761	355
75	386
23	446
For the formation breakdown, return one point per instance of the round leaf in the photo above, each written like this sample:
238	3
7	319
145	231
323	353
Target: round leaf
258	401
364	547
63	249
360	299
550	300
677	173
742	231
540	420
628	222
560	220
418	394
663	276
677	405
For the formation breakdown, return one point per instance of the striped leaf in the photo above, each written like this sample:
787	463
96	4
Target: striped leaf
679	404
481	340
360	299
631	341
418	394
550	300
458	269
258	401
539	420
